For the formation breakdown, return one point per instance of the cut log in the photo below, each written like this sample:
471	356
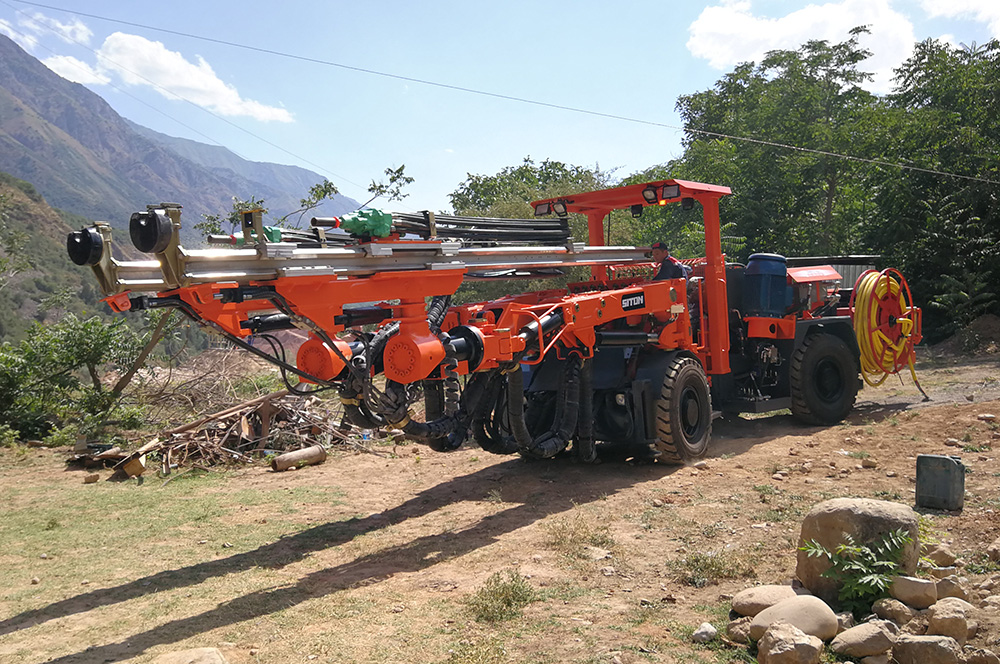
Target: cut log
307	457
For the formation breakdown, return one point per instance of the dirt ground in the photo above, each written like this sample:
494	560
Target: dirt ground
372	557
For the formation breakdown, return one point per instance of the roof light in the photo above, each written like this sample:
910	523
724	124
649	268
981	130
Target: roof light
543	209
559	207
649	194
670	191
636	210
687	203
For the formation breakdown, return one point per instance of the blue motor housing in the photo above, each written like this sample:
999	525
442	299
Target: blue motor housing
765	286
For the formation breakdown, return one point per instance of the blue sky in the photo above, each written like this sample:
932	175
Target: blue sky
629	58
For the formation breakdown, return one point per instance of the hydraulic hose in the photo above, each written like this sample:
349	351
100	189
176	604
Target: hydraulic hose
583	444
885	324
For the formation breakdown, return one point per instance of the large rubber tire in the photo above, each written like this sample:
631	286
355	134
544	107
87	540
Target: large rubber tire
683	412
824	380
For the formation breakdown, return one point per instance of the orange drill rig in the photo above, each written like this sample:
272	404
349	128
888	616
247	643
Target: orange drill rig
620	358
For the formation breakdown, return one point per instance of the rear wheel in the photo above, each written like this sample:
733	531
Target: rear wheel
683	412
824	380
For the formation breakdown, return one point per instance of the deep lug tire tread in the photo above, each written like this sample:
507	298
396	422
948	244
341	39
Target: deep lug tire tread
807	405
669	439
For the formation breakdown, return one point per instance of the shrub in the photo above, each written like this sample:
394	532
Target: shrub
863	573
502	598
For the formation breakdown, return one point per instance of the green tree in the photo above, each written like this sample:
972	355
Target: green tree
40	378
508	194
941	231
786	201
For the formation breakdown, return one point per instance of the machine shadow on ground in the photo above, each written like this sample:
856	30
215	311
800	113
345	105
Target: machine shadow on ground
565	485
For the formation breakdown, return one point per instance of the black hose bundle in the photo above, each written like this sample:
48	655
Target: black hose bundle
490	423
564	421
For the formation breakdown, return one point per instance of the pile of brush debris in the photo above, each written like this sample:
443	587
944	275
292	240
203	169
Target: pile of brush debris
270	425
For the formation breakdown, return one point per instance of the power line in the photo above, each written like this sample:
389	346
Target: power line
496	95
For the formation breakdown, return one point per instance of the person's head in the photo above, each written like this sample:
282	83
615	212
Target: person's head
660	251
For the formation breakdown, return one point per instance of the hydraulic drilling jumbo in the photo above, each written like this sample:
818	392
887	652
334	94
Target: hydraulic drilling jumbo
620	358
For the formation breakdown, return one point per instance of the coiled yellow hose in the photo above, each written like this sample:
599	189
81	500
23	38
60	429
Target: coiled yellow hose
886	325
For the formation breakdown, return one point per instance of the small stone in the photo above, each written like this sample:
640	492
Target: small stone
705	633
608	571
44	556
918	593
845	621
753	600
227	545
739	629
398	608
91	478
253	652
993	551
876	659
951	586
869	463
85	582
942	572
911	649
980	656
810	614
778	477
596	552
871	638
894	610
890	473
940	554
952	442
35	580
783	642
986	417
701	465
657	502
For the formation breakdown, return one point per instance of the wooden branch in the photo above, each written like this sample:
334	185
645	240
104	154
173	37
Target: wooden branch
227	411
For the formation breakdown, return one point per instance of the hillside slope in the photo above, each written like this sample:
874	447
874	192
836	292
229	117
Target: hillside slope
85	158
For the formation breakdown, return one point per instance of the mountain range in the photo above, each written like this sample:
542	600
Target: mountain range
84	158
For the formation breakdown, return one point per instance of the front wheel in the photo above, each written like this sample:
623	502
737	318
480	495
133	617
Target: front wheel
824	380
683	412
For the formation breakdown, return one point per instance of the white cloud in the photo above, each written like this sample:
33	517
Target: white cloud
139	61
73	32
730	33
984	11
27	42
75	70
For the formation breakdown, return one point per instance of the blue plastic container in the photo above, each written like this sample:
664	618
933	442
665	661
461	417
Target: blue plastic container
765	286
940	482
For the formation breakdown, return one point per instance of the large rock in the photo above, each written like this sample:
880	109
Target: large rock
865	520
915	592
871	638
894	610
193	656
783	643
809	614
910	649
752	601
950	617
